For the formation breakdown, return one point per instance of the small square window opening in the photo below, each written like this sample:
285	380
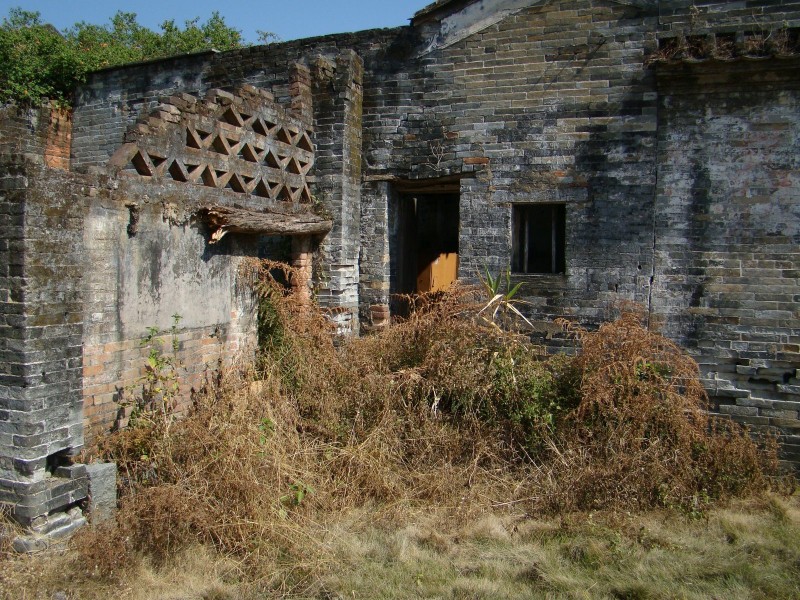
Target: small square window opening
537	239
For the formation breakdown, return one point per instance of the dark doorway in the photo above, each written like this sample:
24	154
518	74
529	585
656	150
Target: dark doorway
425	246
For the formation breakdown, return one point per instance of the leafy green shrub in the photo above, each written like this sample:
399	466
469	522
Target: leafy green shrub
37	61
533	396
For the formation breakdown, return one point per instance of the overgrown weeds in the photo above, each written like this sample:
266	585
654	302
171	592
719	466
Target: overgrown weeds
440	414
641	435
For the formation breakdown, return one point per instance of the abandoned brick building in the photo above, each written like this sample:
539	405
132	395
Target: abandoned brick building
603	150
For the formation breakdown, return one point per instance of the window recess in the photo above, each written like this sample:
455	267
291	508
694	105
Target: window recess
538	238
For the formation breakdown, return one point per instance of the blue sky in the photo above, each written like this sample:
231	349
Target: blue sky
287	18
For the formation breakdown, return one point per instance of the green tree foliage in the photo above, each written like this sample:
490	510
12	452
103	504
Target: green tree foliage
38	61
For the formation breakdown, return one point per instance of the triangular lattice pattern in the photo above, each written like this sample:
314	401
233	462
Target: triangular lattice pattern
243	143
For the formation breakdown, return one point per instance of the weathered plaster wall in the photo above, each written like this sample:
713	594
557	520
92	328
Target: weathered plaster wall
153	259
326	86
728	234
141	279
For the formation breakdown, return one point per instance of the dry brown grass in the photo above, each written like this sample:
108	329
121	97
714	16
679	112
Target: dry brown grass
641	437
745	550
441	414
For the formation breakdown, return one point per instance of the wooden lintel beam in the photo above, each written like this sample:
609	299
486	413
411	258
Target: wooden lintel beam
223	220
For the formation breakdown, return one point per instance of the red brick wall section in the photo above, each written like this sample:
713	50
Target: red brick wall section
114	373
58	139
46	132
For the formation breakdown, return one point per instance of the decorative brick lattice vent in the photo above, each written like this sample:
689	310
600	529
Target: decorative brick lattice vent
244	143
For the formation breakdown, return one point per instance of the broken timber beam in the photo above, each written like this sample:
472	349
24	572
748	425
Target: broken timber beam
223	220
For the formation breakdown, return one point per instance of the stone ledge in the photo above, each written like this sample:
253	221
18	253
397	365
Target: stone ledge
35	500
49	530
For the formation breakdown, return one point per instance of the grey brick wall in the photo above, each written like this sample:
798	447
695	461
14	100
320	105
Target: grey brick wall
727	234
690	17
41	337
338	104
554	104
374	261
674	197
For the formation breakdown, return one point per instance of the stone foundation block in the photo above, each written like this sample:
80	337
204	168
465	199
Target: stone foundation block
102	491
49	530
